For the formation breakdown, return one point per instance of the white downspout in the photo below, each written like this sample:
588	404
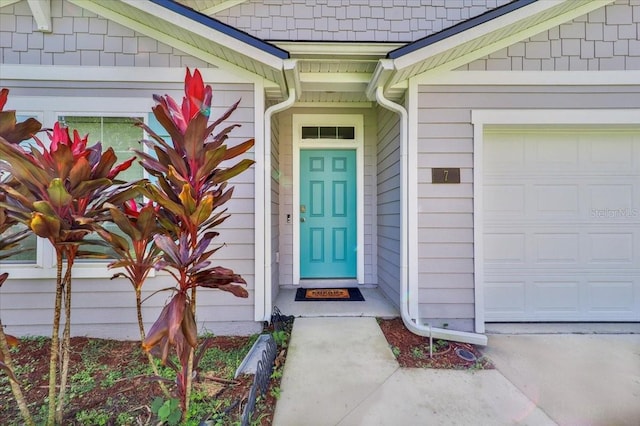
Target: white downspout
268	303
415	327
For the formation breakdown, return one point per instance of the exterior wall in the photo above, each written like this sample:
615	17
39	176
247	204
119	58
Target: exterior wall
80	37
350	20
286	190
101	307
107	309
388	204
446	211
606	39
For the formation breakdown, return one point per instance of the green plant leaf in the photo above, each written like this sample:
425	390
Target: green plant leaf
58	195
188	202
225	175
45	226
122	221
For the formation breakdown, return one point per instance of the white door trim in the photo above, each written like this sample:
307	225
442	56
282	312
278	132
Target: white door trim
356	120
482	118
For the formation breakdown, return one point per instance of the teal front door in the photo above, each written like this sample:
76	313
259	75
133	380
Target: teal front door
328	211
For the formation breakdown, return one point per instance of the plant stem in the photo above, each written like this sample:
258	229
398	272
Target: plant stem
164	389
15	387
66	336
55	338
189	384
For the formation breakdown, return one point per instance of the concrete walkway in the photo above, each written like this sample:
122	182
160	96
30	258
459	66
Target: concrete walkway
577	379
340	371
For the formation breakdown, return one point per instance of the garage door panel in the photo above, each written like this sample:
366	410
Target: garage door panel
610	296
611	248
552	294
504	200
501	248
556	199
556	248
561	225
548	150
505	298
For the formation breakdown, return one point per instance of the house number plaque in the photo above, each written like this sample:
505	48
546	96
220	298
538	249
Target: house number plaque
445	175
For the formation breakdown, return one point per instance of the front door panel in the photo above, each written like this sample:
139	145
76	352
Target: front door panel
328	230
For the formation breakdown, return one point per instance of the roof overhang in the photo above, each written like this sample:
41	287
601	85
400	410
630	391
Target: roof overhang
476	38
200	36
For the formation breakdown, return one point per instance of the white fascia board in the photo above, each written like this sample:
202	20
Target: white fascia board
91	73
227	4
209	33
4	3
41	10
532	78
337	49
164	38
498	23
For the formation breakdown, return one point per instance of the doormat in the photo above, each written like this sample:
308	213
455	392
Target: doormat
329	295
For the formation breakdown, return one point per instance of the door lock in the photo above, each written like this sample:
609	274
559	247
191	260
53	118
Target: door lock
303	208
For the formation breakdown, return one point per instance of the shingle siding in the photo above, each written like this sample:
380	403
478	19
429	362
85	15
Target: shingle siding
606	39
81	38
351	20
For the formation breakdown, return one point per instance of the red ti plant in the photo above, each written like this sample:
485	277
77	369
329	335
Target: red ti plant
58	194
191	188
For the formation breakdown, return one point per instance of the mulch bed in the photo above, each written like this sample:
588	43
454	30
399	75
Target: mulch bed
412	351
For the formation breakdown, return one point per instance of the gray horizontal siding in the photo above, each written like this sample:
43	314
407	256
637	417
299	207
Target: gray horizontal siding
605	39
106	308
445	219
388	204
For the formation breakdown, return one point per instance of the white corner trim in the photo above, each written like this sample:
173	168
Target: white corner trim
116	74
261	264
531	78
481	119
412	199
356	120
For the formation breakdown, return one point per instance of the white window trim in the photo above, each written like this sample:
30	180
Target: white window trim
356	120
482	118
48	111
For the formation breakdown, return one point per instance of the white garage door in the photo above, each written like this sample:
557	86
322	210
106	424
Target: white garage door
561	224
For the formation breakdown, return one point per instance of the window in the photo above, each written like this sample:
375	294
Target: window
119	133
106	120
328	132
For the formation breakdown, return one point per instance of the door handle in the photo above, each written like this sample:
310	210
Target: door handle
302	219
